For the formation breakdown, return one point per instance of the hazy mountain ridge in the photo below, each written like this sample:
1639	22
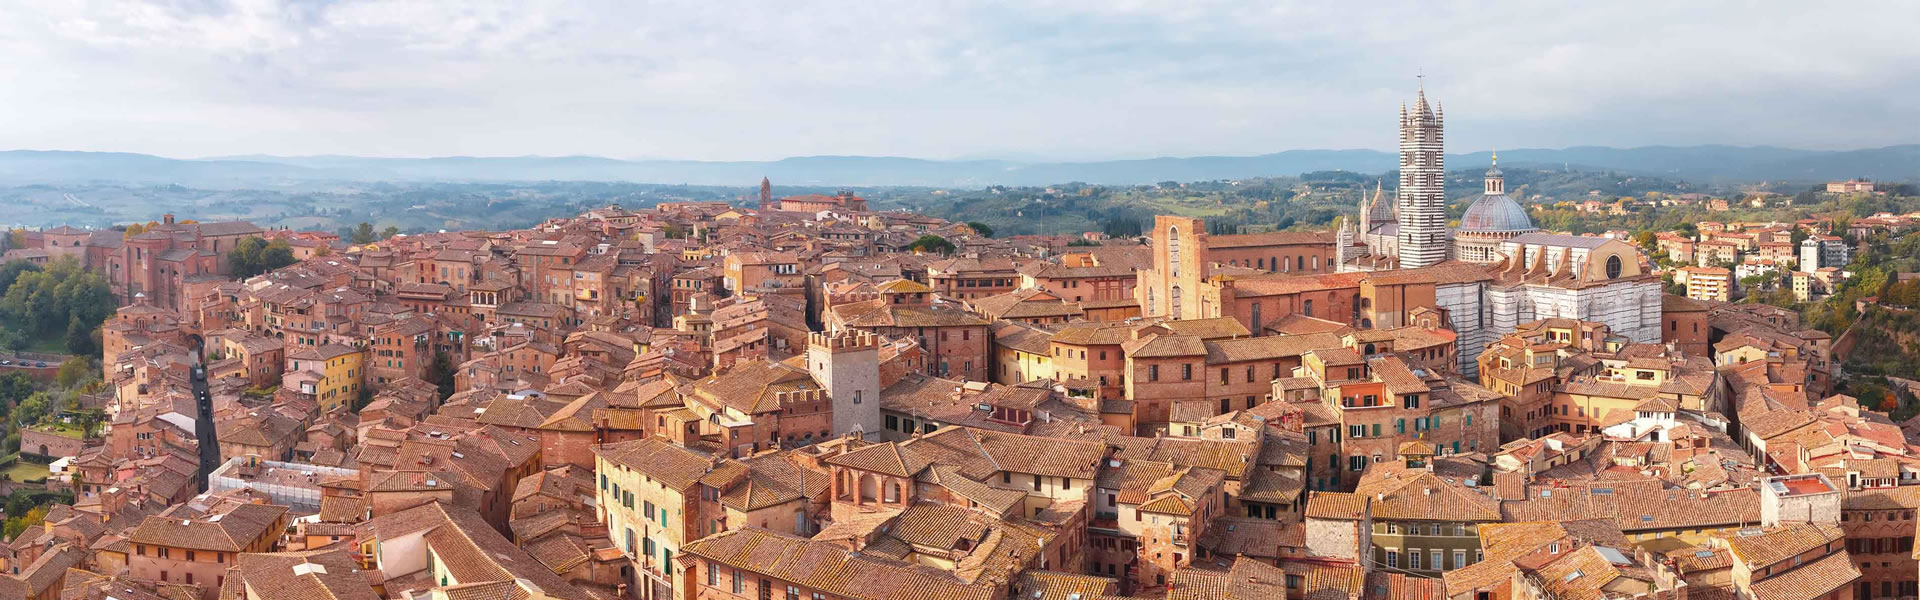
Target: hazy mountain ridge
1707	163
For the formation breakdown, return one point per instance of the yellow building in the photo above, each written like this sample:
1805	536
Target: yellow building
1021	354
339	369
643	490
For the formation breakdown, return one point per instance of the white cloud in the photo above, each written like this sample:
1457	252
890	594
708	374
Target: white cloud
1061	78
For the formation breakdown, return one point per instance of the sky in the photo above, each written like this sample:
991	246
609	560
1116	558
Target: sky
1030	79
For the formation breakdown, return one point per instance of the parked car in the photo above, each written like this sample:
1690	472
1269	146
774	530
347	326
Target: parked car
40	365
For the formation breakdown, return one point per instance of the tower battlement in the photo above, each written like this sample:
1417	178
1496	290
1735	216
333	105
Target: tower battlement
843	341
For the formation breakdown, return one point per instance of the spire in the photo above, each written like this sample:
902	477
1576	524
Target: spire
1420	106
1496	157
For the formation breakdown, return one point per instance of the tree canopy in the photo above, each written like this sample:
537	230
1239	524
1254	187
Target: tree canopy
931	243
980	228
363	234
253	256
61	299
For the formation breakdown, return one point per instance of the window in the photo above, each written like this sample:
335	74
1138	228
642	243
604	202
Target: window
1613	267
1153	372
739	582
1393	558
1186	372
1413	558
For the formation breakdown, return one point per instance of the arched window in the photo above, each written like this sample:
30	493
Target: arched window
1173	251
1286	264
1173	302
1307	308
1613	267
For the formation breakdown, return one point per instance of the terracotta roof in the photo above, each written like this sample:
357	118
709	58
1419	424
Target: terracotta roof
1812	580
677	467
1782	543
1340	506
1425	496
316	575
831	568
232	531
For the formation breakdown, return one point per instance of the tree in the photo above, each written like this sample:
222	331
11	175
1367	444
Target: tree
441	374
18	524
1646	240
363	234
980	228
12	271
931	243
90	420
389	232
74	372
38	304
134	229
254	255
79	338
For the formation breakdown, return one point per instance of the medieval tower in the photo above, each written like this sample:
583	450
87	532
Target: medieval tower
847	365
766	194
1423	236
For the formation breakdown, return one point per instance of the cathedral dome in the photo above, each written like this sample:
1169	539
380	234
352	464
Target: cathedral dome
1495	213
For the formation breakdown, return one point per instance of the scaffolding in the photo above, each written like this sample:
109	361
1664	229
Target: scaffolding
293	485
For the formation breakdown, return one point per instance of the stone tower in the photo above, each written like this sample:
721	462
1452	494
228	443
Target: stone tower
766	194
847	365
1423	238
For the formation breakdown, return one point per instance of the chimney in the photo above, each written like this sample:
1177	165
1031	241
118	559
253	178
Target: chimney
167	218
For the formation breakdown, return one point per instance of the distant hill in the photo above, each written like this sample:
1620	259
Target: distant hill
1706	164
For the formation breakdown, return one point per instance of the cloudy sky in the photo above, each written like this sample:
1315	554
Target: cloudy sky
1022	79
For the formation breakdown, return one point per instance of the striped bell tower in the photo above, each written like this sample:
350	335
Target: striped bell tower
1423	238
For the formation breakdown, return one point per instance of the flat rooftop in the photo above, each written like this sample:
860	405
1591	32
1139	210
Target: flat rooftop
1800	485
